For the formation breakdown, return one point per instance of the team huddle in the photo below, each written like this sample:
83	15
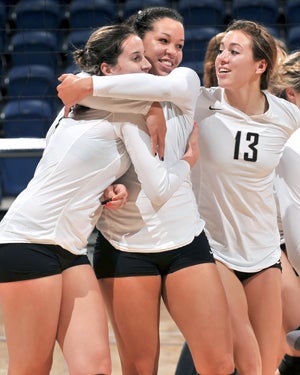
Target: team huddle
200	193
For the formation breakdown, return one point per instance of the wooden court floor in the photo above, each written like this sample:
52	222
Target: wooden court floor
171	342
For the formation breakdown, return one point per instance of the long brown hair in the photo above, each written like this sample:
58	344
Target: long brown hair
209	70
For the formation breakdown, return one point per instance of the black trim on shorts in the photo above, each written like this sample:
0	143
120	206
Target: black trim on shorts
110	262
26	261
243	276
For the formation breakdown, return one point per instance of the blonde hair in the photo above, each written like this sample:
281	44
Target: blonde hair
288	75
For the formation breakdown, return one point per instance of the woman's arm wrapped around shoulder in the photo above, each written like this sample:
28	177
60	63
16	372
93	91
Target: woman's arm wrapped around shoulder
179	87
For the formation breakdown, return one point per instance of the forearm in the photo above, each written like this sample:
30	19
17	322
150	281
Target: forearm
74	88
117	105
159	181
179	87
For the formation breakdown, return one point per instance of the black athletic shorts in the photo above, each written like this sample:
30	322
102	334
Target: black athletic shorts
109	262
242	276
25	261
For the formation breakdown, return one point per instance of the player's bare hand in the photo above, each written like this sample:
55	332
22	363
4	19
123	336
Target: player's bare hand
115	196
73	89
157	129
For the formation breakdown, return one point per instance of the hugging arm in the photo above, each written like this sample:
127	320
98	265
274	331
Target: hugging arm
158	180
180	87
133	93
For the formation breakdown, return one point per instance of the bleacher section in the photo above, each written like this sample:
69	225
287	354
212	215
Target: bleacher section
37	38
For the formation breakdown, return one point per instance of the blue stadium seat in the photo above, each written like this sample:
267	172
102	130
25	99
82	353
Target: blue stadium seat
16	173
72	68
274	31
196	41
38	14
202	13
26	118
2	16
3	36
293	38
1	193
196	65
130	7
32	82
89	14
263	11
292	12
2	13
75	39
34	47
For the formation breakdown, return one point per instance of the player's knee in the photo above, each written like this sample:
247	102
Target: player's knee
146	367
91	363
222	366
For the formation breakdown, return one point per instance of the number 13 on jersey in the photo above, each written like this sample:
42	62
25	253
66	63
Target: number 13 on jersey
251	141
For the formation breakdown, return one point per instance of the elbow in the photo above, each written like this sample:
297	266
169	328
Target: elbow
158	200
158	197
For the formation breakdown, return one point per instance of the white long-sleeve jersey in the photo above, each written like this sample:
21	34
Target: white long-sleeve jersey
235	174
287	184
82	157
141	225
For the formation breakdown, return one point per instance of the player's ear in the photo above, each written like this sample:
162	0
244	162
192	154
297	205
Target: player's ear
106	69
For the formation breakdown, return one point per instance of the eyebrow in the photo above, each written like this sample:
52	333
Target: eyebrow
231	44
135	54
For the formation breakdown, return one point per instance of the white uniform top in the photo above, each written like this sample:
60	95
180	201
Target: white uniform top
143	226
287	185
234	185
61	203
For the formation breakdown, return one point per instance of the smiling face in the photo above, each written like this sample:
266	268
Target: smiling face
235	64
163	46
131	60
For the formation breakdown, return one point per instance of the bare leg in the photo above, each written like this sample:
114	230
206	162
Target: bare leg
197	302
134	304
83	327
185	365
291	306
265	311
31	311
245	341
